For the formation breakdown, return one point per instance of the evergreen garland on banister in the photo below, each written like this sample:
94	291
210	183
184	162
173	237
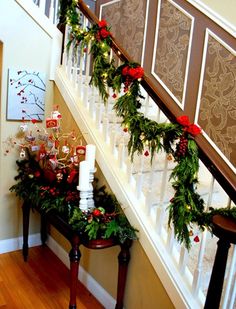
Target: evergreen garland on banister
176	139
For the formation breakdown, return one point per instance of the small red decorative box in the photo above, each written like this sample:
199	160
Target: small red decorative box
51	123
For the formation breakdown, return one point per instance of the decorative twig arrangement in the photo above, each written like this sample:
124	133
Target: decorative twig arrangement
176	139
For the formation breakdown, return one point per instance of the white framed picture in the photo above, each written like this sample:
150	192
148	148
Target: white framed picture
26	95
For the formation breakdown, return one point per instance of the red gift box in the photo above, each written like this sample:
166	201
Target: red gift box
51	123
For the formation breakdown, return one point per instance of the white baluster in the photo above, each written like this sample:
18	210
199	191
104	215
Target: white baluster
92	102
183	259
121	151
149	195
88	65
230	282
197	276
233	298
65	55
146	106
162	210
170	240
51	11
139	181
99	108
56	13
42	5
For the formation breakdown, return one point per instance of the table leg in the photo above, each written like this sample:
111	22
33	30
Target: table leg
74	270
123	258
26	215
43	230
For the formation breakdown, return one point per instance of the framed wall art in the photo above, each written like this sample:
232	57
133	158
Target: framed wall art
26	95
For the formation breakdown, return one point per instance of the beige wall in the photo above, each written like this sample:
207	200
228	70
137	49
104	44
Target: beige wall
25	46
225	9
144	289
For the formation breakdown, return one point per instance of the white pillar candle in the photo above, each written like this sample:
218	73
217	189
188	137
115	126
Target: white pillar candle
83	176
90	155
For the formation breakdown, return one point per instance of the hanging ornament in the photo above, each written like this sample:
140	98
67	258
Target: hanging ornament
125	129
146	153
53	163
80	150
65	149
190	233
56	115
23	127
43	137
196	238
22	154
169	157
59	176
34	148
52	123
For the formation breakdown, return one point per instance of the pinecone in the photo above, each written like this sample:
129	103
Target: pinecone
182	146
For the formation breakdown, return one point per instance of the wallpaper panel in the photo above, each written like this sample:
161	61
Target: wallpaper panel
173	39
127	19
217	114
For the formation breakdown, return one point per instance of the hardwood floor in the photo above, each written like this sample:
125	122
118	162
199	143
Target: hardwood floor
42	282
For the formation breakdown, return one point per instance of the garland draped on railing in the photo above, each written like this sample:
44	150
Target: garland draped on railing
176	139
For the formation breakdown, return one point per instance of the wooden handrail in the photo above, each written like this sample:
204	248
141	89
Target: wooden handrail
221	172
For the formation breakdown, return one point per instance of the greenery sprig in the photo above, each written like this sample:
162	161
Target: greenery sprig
176	139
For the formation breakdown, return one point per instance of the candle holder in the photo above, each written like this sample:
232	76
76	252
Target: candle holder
83	203
90	191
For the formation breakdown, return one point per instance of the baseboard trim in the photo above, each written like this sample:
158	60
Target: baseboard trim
88	281
13	244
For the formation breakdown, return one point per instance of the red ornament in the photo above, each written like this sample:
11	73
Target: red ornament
37	174
125	130
104	33
125	71
146	153
183	120
96	212
196	239
114	95
193	129
102	24
80	150
34	120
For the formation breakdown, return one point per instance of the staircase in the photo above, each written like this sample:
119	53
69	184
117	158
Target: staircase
143	188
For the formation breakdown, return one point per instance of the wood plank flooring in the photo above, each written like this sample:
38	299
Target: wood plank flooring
42	282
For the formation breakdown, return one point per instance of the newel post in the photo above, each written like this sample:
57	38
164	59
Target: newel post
225	229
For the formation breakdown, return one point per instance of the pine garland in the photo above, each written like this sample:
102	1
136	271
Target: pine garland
176	139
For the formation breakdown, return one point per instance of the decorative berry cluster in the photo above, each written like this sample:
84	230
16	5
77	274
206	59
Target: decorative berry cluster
182	146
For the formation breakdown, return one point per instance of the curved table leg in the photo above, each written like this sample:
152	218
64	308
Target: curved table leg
123	258
74	270
26	216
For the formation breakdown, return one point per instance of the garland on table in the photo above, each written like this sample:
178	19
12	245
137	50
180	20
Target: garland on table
176	139
35	186
48	175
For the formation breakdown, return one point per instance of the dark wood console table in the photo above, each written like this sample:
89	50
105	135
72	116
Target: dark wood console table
76	240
